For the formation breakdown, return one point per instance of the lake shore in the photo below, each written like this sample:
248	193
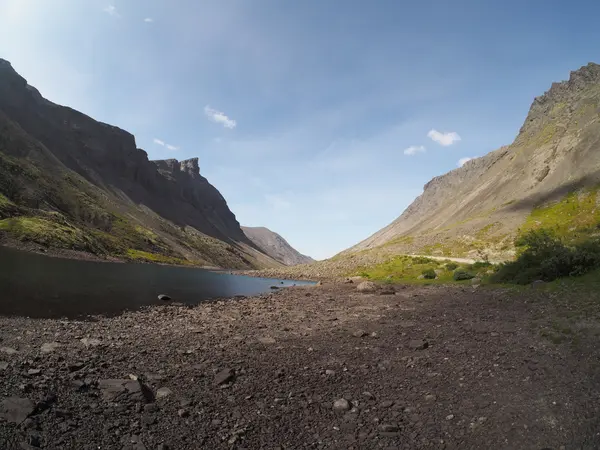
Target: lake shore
311	367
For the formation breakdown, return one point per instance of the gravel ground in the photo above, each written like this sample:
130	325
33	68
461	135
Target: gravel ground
309	367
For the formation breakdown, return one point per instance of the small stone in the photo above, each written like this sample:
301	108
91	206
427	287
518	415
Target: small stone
8	350
418	344
450	417
33	372
163	392
274	287
430	398
330	372
537	284
387	291
388	428
341	405
90	342
150	408
75	366
360	333
162	447
266	340
185	402
225	376
387	403
366	286
3	365
16	409
49	347
164	298
183	412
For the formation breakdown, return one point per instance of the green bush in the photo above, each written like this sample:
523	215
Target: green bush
429	274
480	265
462	274
543	256
451	266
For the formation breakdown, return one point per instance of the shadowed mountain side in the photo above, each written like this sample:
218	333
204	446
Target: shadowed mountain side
69	181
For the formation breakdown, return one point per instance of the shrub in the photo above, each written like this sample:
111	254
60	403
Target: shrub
544	256
462	274
451	266
480	265
429	274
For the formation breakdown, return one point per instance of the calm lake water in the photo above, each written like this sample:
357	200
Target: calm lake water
40	286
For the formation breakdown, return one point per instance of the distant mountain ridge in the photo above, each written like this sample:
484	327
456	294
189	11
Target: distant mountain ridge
479	207
275	246
69	181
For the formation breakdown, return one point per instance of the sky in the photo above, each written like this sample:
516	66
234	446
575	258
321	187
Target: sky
321	120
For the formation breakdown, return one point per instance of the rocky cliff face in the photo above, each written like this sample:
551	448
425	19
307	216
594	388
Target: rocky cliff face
556	151
275	246
108	180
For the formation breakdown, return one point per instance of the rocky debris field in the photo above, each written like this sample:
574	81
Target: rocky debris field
309	367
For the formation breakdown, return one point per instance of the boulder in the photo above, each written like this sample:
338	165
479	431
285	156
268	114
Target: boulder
164	298
115	390
366	286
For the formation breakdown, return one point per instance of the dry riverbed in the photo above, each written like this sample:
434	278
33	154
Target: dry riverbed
311	367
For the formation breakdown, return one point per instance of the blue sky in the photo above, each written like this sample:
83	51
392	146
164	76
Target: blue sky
311	117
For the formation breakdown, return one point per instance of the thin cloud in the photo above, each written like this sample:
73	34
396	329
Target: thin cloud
444	139
414	149
462	161
111	10
164	144
148	20
219	117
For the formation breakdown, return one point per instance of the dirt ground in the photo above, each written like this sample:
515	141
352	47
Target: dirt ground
323	367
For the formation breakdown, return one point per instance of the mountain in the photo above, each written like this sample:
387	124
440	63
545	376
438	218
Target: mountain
275	246
547	177
70	182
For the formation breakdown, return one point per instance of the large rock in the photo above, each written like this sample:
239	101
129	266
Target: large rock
16	409
116	390
366	286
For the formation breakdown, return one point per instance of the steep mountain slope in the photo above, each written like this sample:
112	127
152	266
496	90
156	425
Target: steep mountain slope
69	181
275	246
479	207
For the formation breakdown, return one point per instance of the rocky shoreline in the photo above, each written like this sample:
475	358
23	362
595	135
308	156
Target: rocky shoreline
325	366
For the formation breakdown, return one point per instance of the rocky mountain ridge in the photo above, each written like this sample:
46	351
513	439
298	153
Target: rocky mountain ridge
481	205
275	246
67	180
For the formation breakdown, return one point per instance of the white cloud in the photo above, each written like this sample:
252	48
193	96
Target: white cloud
462	161
444	139
219	117
112	11
414	149
148	20
277	202
164	144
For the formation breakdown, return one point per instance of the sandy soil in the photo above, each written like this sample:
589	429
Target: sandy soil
310	367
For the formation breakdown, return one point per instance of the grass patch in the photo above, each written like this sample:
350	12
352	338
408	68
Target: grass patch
574	218
47	232
139	255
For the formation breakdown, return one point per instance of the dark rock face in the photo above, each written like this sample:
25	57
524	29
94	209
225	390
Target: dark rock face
108	157
275	246
58	139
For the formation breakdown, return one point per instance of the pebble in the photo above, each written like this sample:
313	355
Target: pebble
450	417
183	412
430	398
418	344
330	372
8	350
163	392
360	333
224	376
164	298
49	347
341	405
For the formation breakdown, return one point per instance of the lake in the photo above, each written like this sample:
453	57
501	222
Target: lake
41	286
